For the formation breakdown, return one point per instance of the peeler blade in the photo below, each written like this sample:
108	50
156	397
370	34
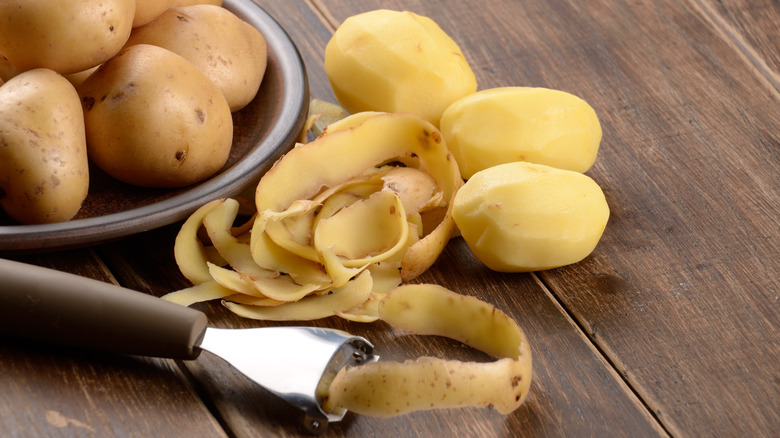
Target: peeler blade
295	363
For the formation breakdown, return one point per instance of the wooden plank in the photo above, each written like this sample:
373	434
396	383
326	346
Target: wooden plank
752	27
573	392
682	292
571	380
53	391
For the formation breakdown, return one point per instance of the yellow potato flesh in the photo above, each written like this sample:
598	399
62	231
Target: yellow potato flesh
344	154
396	62
523	217
537	125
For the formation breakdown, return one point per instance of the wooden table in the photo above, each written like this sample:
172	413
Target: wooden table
669	328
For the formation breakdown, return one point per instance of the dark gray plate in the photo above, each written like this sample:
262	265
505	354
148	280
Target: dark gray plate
264	130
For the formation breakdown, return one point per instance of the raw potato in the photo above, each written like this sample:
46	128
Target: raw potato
148	10
396	62
65	36
177	3
229	51
79	77
537	125
152	119
43	154
522	216
7	70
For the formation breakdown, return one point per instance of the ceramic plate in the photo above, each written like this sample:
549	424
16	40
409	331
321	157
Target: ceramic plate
264	130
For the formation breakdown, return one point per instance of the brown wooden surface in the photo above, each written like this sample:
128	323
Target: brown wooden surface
669	328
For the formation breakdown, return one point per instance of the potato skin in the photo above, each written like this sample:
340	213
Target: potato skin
65	36
152	119
148	10
177	3
44	174
229	51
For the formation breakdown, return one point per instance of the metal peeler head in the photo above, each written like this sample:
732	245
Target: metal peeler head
295	363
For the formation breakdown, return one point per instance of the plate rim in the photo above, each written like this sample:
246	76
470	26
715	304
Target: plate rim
101	229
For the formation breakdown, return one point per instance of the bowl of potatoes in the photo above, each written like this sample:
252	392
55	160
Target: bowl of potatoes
178	106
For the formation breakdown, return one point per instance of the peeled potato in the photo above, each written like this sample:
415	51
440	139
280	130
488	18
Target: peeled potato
537	125
396	62
223	47
522	216
67	37
152	119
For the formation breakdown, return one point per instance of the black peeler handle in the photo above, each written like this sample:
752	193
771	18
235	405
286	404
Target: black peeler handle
52	306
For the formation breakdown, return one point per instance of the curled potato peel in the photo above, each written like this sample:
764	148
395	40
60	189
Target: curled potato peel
378	189
387	389
339	240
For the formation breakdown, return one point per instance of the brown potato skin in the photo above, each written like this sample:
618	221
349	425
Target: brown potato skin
71	37
148	10
44	172
177	3
229	51
153	120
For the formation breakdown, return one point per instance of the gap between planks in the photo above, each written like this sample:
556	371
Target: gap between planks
601	352
733	38
324	14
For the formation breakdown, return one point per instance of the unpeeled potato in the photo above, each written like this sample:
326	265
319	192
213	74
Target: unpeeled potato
44	175
177	3
229	51
65	36
7	70
153	119
148	10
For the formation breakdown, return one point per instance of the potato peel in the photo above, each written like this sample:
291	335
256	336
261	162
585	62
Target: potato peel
385	388
373	211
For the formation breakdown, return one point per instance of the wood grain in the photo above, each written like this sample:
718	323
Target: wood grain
52	391
689	164
571	381
669	328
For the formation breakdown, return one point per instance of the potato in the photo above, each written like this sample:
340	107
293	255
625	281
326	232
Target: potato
522	216
44	175
507	124
148	10
152	119
77	78
65	36
177	3
226	49
7	70
396	62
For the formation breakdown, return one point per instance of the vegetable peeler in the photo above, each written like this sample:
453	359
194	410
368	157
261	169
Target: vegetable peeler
295	363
